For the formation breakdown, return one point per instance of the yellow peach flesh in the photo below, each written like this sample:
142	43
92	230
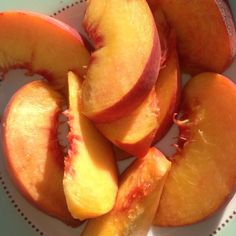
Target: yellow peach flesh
90	178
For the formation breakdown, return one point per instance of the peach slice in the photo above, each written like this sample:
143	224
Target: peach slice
168	96
134	133
205	30
138	198
203	175
90	178
167	100
32	153
168	89
125	64
42	45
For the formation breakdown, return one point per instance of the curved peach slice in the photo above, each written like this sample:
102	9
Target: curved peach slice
167	96
134	133
42	45
33	155
124	68
138	198
203	173
90	178
204	29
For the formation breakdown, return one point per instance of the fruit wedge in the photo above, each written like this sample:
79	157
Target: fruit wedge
134	133
125	64
205	30
90	178
42	45
33	156
138	198
167	100
203	175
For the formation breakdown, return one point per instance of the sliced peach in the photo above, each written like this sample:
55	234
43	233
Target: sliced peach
32	153
168	89
134	133
90	178
167	95
205	30
203	175
125	64
138	197
42	45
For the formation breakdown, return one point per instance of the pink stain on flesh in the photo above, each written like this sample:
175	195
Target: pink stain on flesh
184	124
72	152
68	165
133	196
96	38
30	70
73	140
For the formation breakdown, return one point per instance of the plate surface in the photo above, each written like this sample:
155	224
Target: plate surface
17	216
